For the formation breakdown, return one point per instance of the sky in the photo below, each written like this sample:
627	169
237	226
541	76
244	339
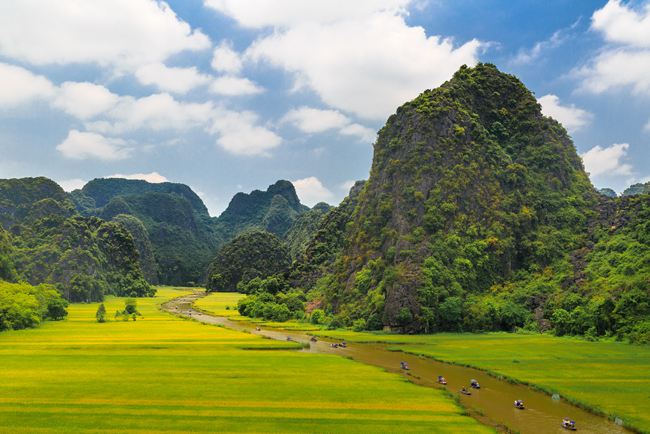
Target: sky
233	95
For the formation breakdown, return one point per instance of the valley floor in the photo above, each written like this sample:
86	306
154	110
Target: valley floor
162	374
611	377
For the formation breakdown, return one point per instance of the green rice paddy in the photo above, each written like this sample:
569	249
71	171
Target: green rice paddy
611	377
162	374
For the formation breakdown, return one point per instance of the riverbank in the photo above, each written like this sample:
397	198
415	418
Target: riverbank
608	378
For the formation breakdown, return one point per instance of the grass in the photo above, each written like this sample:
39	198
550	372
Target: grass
215	304
162	374
611	378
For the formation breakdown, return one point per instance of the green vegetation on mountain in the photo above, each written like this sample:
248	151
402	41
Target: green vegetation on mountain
303	229
183	245
46	243
178	230
637	189
142	243
273	210
26	200
607	192
250	256
99	192
85	257
478	215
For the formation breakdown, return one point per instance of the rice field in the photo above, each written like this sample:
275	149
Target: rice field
220	303
163	374
611	377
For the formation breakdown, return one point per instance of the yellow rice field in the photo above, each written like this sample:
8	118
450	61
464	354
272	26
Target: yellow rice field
162	374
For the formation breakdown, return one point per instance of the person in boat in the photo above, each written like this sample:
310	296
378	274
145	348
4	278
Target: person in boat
464	390
313	339
289	338
257	328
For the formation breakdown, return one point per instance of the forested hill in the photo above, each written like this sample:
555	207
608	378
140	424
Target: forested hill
273	210
99	192
48	242
478	215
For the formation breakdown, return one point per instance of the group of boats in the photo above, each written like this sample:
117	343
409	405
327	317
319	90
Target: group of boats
566	423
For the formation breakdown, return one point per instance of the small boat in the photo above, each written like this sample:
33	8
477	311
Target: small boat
334	345
289	338
313	339
474	385
441	379
343	345
519	404
569	424
404	366
258	328
465	392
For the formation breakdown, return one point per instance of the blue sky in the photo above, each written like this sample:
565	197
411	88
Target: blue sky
232	95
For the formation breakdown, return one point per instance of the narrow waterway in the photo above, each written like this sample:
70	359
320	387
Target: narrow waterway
495	398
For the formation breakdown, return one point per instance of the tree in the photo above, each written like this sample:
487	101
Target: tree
56	308
404	317
451	313
101	313
359	325
317	316
131	305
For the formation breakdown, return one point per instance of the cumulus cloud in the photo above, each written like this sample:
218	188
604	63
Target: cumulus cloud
153	177
311	120
571	117
72	184
360	57
622	24
84	100
607	161
311	191
286	13
155	112
528	56
240	134
18	85
225	59
122	33
82	145
626	60
347	185
234	86
176	80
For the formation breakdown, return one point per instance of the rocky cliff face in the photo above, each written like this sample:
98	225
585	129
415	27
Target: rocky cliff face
470	187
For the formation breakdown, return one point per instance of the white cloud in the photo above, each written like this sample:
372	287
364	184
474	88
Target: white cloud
646	127
225	59
177	80
285	13
81	145
311	191
72	184
365	134
362	59
153	177
622	24
618	67
18	85
156	112
626	60
123	33
240	135
347	185
84	100
571	117
599	161
311	120
534	53
234	86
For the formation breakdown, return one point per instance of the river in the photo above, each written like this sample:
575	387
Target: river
495	397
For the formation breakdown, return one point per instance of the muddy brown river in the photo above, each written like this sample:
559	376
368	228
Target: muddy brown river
495	398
